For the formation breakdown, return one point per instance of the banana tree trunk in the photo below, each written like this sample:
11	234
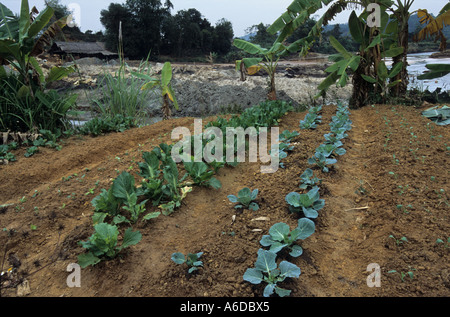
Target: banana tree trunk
400	89
167	113
272	95
361	87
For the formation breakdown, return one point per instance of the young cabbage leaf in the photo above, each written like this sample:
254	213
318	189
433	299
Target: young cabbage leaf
280	236
266	270
309	203
245	199
103	244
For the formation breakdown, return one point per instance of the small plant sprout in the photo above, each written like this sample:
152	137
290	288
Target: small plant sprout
266	270
281	237
191	260
403	274
245	198
446	244
399	241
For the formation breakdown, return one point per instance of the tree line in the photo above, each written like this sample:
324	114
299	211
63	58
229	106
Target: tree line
148	27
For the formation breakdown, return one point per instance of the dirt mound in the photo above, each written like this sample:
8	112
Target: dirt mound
206	90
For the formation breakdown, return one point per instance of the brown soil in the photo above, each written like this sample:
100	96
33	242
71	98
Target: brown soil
55	186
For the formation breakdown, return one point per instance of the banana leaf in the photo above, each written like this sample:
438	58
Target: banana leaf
440	116
436	71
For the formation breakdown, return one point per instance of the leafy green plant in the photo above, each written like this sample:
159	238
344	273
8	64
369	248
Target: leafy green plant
287	135
31	151
310	121
245	198
100	125
191	260
280	236
266	270
122	194
150	171
322	161
124	189
340	123
106	202
103	244
266	59
5	155
309	203
334	137
331	149
308	180
164	84
201	175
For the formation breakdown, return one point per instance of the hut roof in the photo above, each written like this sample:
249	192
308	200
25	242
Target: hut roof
87	48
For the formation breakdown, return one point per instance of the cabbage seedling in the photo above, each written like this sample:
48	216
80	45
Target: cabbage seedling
245	199
201	175
266	270
191	260
322	161
309	203
329	149
286	136
308	179
310	121
280	236
103	244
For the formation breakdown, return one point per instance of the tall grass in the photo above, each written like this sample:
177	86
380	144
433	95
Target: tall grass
20	111
121	94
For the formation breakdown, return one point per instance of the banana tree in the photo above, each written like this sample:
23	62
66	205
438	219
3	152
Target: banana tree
266	59
400	15
434	25
165	86
385	78
24	37
370	74
374	46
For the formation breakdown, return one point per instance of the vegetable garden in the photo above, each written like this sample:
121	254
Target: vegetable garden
360	187
358	205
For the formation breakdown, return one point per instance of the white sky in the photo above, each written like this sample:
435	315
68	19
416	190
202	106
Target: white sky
242	13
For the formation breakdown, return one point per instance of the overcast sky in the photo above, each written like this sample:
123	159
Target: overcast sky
242	13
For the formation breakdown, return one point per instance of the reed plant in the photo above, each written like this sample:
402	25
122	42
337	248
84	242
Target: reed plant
120	93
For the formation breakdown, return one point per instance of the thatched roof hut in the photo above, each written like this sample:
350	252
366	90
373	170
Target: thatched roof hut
82	49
